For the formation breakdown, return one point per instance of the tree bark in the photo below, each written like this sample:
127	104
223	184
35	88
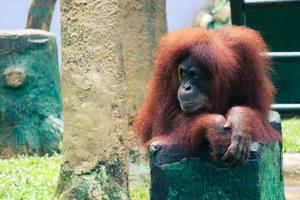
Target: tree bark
145	23
94	164
40	14
30	103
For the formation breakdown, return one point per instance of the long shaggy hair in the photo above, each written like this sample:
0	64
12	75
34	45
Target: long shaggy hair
235	57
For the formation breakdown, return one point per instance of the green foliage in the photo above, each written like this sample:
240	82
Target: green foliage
29	178
291	135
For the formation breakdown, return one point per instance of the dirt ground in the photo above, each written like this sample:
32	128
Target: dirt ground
292	187
291	163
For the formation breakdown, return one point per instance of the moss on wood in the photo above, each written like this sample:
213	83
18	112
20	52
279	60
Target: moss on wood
103	182
30	102
194	178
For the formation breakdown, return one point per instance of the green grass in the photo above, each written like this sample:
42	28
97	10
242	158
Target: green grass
291	135
28	178
141	193
35	178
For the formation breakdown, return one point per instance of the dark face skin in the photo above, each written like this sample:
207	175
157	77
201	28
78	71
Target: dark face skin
195	82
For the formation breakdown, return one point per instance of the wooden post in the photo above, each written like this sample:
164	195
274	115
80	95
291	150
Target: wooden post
175	176
30	103
40	14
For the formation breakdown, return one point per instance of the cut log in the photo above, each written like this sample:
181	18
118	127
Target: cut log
30	103
175	176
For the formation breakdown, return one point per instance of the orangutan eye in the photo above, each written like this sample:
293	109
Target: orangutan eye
182	73
194	75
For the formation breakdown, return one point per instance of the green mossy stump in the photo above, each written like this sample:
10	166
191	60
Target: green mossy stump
30	102
174	176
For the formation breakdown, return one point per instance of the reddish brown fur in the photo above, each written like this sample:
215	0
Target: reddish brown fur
241	96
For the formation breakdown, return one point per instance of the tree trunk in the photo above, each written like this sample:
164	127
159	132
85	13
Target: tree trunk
145	23
30	103
40	14
94	91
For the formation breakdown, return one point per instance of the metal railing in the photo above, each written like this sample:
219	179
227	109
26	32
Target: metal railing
270	4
